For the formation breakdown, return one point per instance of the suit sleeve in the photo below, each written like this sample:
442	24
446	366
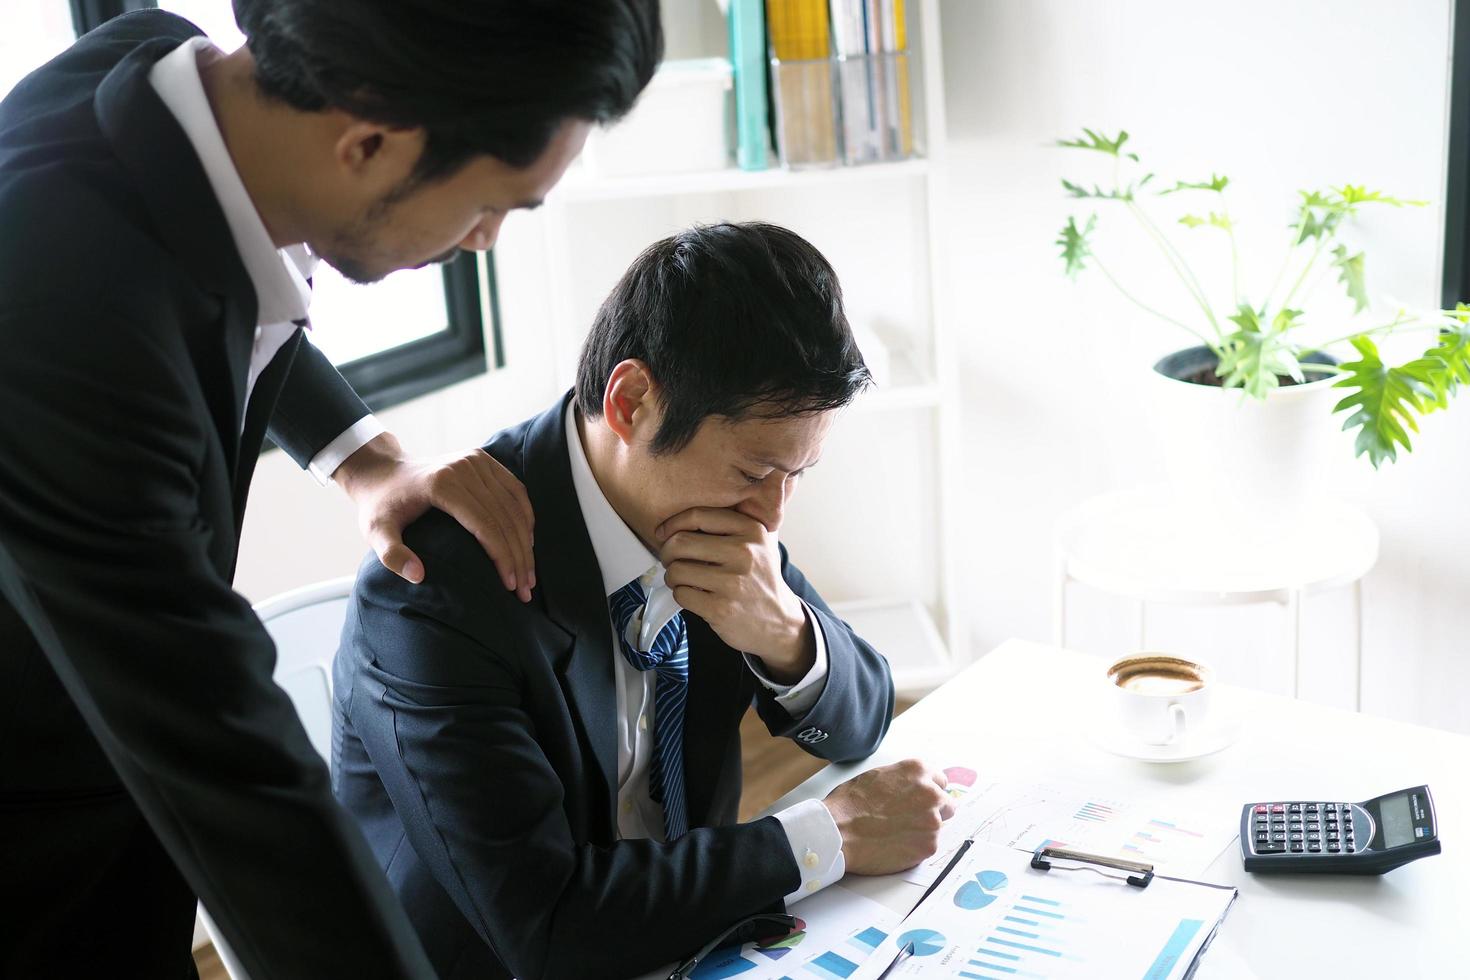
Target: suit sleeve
316	405
439	701
106	555
852	714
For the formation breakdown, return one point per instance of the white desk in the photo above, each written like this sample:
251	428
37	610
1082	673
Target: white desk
1020	713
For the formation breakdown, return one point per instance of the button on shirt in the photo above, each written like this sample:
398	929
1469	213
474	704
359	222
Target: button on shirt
279	276
816	843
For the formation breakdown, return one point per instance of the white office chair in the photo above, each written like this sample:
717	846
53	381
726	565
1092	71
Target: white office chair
306	624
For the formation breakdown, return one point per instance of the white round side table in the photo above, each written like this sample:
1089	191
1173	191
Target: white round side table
1145	545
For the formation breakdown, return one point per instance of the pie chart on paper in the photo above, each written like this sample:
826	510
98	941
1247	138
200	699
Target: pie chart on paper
926	942
980	892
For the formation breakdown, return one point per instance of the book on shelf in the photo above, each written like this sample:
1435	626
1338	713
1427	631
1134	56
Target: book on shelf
840	81
747	30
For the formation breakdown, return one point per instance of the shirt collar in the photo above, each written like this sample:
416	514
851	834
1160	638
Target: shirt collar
279	275
620	555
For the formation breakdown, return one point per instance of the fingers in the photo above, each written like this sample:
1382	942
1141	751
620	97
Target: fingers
508	480
701	603
465	508
710	520
505	499
930	785
697	575
488	500
397	557
696	546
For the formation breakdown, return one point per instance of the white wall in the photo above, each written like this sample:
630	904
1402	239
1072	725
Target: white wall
1278	97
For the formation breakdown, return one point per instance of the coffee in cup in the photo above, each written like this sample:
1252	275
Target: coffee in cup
1159	698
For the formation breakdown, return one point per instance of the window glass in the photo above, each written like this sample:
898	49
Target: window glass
349	321
214	17
32	32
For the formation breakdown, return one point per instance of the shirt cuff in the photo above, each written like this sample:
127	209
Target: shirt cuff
816	846
798	698
362	432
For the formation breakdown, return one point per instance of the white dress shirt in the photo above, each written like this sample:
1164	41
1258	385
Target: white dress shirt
816	843
279	275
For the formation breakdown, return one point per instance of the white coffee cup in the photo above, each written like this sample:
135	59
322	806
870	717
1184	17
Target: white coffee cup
1158	698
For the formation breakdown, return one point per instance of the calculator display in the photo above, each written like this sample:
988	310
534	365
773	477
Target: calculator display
1396	820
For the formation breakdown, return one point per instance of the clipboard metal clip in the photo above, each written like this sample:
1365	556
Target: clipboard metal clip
1139	874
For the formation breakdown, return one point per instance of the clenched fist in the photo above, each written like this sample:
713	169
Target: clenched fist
890	816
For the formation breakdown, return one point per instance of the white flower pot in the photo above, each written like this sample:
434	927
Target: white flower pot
1237	458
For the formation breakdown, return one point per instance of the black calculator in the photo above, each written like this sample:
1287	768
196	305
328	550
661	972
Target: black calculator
1366	838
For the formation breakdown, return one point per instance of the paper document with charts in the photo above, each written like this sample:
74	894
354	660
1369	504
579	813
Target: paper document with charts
1175	840
993	915
836	931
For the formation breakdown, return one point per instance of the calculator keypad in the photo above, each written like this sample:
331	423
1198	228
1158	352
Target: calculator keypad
1303	828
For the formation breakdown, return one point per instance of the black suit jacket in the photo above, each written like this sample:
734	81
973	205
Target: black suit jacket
475	741
136	683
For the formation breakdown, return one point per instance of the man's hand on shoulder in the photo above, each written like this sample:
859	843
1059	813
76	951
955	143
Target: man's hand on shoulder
890	817
725	568
392	491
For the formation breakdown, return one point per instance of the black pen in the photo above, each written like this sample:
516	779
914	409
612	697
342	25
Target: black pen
943	874
904	952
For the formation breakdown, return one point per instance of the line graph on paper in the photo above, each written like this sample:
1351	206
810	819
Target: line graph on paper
1030	815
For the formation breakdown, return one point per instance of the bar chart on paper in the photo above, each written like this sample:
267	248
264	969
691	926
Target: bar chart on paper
995	916
836	932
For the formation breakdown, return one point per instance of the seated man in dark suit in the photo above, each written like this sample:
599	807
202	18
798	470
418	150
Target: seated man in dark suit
552	787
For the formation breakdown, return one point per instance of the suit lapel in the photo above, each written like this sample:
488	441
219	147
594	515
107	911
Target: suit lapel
570	583
258	415
187	216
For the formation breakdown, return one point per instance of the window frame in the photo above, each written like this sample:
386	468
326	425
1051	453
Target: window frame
418	367
396	374
1456	277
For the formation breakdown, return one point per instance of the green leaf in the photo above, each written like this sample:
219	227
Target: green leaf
1285	320
1216	219
1075	244
1245	365
1320	212
1257	355
1350	274
1309	223
1216	183
1385	398
1097	193
1092	140
1351	195
1450	361
1247	319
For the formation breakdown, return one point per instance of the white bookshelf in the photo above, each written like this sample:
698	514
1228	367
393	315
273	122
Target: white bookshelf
868	525
578	186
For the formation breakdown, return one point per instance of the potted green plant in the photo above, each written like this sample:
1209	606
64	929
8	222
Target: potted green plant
1257	343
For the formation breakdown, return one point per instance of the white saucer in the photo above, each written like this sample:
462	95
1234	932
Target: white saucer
1213	738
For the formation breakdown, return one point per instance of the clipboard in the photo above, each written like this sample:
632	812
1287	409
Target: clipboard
1052	905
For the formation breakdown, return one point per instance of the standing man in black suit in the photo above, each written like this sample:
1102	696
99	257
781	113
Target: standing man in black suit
552	787
162	205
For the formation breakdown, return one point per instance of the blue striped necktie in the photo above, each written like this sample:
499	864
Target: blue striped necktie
669	657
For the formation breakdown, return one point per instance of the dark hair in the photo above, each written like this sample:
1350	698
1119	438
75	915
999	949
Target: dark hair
493	77
734	320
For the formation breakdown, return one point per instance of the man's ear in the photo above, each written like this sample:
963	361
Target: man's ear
382	156
630	402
